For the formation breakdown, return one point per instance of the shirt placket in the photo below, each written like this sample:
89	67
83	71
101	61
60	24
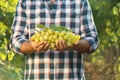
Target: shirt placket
52	8
52	13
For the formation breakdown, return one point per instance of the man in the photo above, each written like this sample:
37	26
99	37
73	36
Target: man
65	63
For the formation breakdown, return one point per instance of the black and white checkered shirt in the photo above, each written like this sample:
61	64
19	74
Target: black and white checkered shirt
53	65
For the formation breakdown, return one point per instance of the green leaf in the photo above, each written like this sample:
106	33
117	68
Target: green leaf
53	27
59	28
41	26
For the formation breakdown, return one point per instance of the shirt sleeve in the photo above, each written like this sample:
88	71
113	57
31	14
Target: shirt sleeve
88	28
19	31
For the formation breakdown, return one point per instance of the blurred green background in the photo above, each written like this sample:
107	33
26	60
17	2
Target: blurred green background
104	64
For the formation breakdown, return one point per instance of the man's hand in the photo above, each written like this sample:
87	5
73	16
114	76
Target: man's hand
81	46
62	46
42	46
29	47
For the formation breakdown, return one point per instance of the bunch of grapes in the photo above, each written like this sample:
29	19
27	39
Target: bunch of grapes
52	37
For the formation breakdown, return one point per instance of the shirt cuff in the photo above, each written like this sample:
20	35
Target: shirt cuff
93	43
16	46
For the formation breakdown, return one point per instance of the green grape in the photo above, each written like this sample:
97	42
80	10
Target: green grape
45	37
71	39
65	37
69	44
42	33
37	34
54	36
52	45
57	33
78	37
41	39
56	41
50	37
33	37
50	31
60	38
37	40
62	33
47	34
45	30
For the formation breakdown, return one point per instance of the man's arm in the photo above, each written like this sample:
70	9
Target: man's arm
32	47
26	48
88	29
88	32
82	46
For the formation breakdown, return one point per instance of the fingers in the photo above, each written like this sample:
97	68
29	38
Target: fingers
76	45
39	47
46	46
61	45
42	46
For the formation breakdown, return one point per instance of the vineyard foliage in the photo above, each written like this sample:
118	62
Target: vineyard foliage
103	64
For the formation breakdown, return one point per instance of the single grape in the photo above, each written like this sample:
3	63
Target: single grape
52	45
57	33
33	37
37	40
54	36
50	31
69	44
60	38
41	39
45	37
61	34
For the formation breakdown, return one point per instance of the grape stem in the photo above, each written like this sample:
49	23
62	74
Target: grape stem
37	30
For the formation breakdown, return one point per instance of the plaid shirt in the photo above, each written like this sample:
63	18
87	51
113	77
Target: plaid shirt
53	65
